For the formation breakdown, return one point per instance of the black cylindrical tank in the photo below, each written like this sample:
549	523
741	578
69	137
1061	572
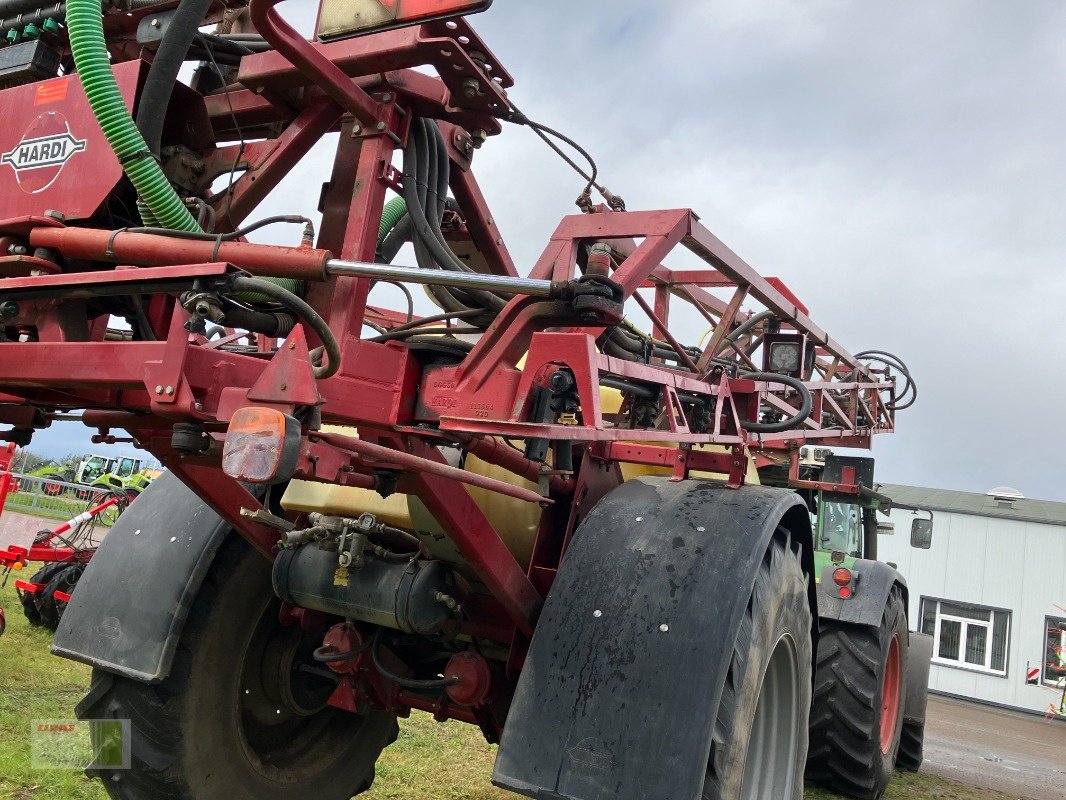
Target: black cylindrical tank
402	596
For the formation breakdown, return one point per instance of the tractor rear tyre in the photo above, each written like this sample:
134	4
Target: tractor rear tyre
911	743
859	697
31	601
759	742
243	713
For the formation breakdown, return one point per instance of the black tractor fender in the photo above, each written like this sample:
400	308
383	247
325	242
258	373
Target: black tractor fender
135	595
919	657
873	582
639	625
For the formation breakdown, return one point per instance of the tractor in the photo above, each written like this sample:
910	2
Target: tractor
871	672
522	510
98	474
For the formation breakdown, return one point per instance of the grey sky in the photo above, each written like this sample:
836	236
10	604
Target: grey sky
898	165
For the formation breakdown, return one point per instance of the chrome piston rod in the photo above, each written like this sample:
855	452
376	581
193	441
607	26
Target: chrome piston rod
454	280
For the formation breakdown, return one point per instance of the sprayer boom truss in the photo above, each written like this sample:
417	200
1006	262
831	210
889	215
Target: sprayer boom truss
546	362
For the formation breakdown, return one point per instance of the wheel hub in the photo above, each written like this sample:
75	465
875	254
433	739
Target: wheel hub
770	766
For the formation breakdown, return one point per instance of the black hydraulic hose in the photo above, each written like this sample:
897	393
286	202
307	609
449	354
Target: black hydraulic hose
640	390
159	85
223	237
32	17
11	8
407	683
418	323
415	186
417	180
391	336
786	424
269	323
744	327
910	387
327	654
303	312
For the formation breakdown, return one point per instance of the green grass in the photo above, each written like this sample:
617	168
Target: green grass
61	507
429	761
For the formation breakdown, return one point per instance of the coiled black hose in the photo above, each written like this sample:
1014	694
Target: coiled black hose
786	424
910	387
303	312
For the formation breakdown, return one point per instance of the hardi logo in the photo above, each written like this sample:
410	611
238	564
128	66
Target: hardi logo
43	151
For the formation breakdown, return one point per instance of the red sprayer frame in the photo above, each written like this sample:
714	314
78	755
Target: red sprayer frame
369	89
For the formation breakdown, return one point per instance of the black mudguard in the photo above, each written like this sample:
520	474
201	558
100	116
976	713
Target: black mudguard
618	696
919	656
874	581
134	597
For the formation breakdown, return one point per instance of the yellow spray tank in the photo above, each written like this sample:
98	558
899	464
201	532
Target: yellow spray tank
515	520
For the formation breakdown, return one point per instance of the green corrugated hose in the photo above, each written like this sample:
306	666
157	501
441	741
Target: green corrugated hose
394	211
86	30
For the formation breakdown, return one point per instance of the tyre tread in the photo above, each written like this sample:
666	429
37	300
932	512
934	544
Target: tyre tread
845	744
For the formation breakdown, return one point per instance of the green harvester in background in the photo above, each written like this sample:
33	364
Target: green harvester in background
98	473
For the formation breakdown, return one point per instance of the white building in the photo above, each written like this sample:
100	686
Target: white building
991	590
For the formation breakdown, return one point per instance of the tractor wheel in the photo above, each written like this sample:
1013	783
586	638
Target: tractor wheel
31	603
857	713
3	622
760	733
62	580
911	743
242	715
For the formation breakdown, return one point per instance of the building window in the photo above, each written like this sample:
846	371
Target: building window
967	636
1055	650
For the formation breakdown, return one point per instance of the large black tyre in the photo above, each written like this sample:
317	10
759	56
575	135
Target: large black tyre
859	697
911	743
759	742
64	580
238	718
31	602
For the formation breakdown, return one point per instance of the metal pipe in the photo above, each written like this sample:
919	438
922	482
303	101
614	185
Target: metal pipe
303	55
142	249
419	464
455	280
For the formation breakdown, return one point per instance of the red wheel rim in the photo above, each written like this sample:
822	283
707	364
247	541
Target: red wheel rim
890	695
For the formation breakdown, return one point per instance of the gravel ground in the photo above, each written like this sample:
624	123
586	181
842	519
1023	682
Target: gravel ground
1007	751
